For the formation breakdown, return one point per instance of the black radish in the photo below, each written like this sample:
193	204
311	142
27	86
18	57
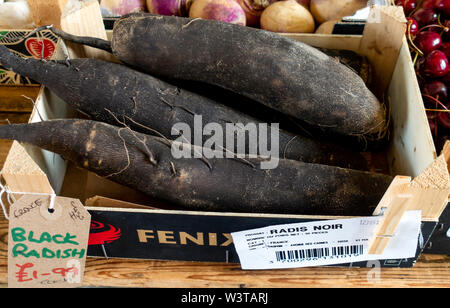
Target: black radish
146	164
281	73
115	94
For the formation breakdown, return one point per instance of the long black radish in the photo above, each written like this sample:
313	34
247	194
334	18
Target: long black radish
279	72
114	93
146	164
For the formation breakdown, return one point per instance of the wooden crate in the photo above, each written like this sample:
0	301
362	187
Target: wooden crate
410	152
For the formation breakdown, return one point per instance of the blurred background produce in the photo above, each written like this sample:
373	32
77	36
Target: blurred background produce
15	14
111	8
428	36
294	16
325	10
169	7
287	16
222	10
253	9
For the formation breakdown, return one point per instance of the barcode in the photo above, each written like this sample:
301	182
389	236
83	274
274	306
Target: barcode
317	253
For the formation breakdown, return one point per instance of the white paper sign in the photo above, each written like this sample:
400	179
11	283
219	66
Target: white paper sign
323	242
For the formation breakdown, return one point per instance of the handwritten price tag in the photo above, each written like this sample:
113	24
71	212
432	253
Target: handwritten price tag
47	248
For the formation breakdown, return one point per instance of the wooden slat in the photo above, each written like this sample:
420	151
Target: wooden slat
22	174
389	223
13	118
433	271
381	42
16	98
428	193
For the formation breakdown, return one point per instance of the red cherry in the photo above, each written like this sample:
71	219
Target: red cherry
432	124
444	119
436	89
428	4
443	6
432	121
431	115
420	81
425	17
428	41
408	5
446	79
413	26
435	64
445	48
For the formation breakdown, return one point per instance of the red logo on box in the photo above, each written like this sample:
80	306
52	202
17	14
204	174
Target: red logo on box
34	47
101	234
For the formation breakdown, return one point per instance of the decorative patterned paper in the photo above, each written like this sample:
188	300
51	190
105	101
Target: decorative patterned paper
38	45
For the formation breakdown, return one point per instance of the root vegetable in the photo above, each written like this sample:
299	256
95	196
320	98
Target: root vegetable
110	92
169	7
283	74
325	10
326	27
253	9
357	63
287	16
228	11
145	163
305	3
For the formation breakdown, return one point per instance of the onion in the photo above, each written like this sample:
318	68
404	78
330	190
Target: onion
222	10
169	7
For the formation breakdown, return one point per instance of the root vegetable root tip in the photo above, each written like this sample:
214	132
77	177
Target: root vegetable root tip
84	40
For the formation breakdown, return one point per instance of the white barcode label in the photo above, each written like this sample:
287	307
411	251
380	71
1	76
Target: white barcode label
323	242
317	253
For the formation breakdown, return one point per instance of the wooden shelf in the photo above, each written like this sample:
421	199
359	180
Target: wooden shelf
430	271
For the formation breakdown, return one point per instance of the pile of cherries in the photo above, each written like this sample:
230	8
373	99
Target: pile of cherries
428	34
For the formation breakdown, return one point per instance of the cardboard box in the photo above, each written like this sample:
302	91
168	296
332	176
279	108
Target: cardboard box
122	228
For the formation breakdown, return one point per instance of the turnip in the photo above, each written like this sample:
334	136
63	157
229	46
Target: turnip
287	16
228	11
253	9
169	7
305	3
326	27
